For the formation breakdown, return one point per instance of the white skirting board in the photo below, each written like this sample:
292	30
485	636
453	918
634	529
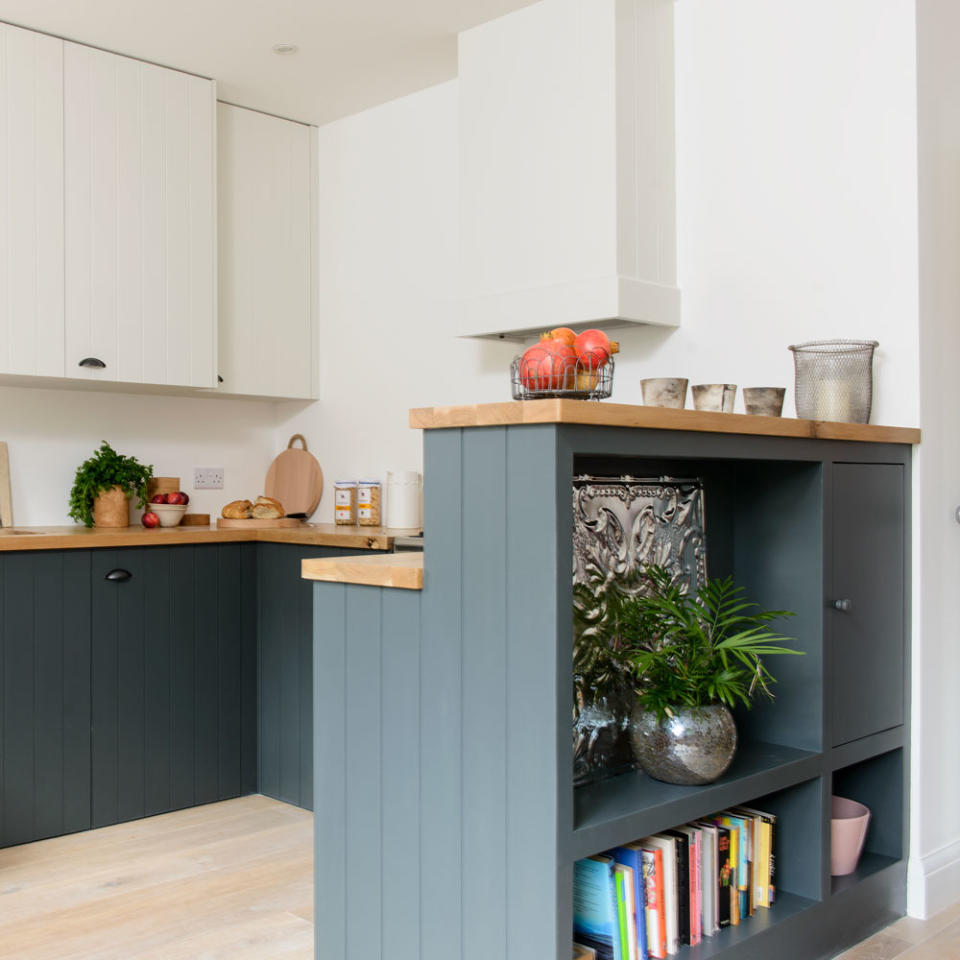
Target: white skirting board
933	881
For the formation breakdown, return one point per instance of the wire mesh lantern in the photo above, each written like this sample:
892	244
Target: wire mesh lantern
834	379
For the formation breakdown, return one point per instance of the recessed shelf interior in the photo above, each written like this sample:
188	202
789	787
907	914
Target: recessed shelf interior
878	784
797	846
764	527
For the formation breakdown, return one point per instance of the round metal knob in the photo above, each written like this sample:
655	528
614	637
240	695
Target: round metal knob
842	605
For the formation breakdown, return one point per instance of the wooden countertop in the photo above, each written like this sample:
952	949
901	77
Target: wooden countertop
310	534
401	570
650	418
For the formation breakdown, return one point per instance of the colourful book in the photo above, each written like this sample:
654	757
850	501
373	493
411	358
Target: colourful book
724	877
683	885
763	873
668	846
653	894
619	871
595	907
742	861
693	834
737	863
631	881
708	878
631	855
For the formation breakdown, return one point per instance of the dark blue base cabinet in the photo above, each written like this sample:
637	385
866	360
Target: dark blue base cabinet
447	822
142	680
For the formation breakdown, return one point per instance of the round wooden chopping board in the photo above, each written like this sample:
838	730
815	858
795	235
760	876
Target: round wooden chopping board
295	479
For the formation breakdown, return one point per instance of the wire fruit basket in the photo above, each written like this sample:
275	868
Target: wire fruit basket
548	377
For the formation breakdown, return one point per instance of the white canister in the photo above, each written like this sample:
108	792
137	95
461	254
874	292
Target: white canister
403	499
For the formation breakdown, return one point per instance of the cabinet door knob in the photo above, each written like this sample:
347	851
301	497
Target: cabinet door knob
118	575
91	362
842	605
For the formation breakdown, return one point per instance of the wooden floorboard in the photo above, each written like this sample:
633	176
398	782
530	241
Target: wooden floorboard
227	880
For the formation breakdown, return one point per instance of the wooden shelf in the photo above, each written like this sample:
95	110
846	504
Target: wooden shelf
634	805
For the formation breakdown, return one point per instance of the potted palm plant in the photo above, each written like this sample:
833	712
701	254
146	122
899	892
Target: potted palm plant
103	486
693	658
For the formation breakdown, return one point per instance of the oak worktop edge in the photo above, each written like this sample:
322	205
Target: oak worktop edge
311	535
590	413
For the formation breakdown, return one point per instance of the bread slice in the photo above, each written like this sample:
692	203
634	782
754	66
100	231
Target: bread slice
237	510
266	508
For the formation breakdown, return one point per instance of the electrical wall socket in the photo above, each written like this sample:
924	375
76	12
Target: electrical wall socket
208	478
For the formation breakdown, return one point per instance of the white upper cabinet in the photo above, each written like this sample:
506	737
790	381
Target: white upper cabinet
31	203
567	167
267	327
140	221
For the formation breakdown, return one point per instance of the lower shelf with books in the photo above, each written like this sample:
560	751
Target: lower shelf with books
703	887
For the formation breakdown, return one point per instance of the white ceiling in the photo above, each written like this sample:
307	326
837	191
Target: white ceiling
353	54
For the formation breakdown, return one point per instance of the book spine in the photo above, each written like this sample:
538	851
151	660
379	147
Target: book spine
620	937
724	877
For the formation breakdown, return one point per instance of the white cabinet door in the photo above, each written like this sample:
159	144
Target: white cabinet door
266	302
140	235
31	203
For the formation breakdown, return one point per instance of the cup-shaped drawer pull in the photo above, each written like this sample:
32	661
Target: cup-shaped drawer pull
118	575
91	362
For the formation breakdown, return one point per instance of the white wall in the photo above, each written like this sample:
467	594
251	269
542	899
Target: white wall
51	432
796	195
388	282
935	770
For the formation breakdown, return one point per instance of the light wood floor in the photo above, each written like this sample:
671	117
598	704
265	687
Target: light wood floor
229	880
935	939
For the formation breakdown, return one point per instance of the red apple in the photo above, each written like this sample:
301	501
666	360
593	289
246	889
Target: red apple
159	498
150	519
177	497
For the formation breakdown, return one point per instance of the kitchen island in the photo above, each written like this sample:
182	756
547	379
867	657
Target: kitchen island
447	823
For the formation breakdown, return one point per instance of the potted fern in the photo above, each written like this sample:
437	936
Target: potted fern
693	658
104	484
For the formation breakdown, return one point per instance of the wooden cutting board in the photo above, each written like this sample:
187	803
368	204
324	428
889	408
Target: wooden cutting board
295	479
225	524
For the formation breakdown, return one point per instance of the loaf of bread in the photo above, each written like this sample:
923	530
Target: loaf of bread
266	508
237	510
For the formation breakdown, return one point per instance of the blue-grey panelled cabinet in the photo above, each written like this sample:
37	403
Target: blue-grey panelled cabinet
285	670
45	689
145	679
173	678
446	819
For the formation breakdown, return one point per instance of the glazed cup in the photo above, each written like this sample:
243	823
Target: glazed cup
718	397
664	392
764	401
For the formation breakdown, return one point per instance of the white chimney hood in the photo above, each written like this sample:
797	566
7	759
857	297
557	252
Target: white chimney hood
568	196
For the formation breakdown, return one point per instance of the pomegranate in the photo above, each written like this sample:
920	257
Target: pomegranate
548	365
150	519
593	349
563	334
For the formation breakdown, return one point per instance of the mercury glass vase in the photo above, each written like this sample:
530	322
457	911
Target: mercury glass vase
694	746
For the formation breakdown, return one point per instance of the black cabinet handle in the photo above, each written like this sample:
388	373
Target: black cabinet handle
91	362
119	575
842	605
219	378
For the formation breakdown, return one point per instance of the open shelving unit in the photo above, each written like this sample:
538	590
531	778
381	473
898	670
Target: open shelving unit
446	716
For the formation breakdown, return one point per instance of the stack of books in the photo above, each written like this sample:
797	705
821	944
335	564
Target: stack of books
647	899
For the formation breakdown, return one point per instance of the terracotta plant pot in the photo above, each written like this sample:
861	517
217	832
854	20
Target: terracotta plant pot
111	509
